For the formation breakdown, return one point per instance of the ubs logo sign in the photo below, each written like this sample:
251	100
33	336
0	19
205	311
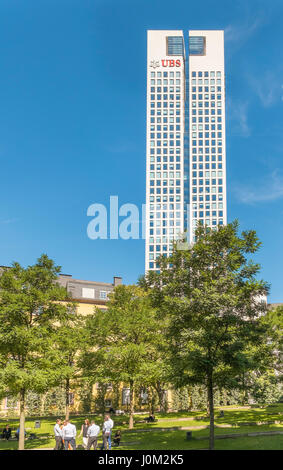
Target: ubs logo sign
154	64
165	63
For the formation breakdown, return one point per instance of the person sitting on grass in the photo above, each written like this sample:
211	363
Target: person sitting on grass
117	438
6	434
150	419
17	433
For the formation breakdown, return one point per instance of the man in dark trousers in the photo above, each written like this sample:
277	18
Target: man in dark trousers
58	435
69	433
6	432
92	433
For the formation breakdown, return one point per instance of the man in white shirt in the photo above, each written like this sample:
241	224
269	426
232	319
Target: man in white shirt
58	434
69	433
92	433
107	429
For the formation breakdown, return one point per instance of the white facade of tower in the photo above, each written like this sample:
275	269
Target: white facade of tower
207	155
185	157
165	137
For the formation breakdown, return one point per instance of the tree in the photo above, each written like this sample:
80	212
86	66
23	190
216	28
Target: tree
94	364
29	309
266	385
100	397
156	369
273	321
266	388
262	383
123	339
211	297
70	338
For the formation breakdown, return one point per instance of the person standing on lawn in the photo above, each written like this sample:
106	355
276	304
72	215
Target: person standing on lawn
58	434
83	432
92	433
107	429
69	435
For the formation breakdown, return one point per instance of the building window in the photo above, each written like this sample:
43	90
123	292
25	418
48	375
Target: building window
197	45
71	398
144	396
11	403
125	396
88	293
103	295
175	45
100	386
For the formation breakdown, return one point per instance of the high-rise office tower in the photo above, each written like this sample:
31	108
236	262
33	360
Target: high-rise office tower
186	154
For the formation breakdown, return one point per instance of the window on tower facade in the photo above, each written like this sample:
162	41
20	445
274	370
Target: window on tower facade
175	45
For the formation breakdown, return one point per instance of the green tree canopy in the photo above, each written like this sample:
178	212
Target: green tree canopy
30	308
69	342
212	298
124	339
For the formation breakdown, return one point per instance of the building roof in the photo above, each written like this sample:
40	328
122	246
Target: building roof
88	291
85	291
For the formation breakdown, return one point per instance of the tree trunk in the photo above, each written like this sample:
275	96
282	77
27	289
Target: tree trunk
244	396
116	395
67	391
42	404
161	397
103	395
207	406
149	399
132	405
190	398
22	420
152	401
211	411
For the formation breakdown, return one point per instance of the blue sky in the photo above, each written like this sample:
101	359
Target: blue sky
72	124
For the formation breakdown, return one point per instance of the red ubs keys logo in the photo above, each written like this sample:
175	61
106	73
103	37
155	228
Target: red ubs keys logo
171	63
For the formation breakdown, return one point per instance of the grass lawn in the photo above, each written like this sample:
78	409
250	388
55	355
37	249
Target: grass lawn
175	440
148	436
